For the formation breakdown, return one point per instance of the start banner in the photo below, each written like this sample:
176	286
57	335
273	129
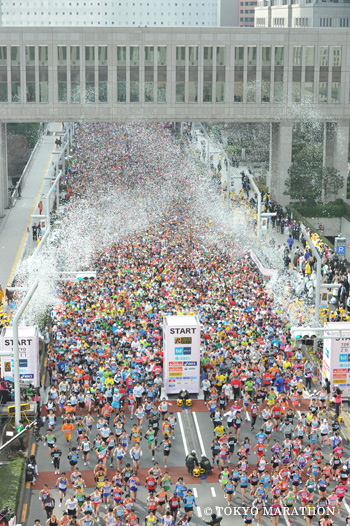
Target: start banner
28	346
181	343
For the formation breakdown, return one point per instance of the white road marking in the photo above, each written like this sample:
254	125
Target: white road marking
248	417
195	493
286	519
346	505
183	434
199	434
199	512
213	492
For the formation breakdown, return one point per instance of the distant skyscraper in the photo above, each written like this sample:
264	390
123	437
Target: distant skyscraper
302	14
119	13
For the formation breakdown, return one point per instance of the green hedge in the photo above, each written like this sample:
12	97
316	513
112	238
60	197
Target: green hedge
346	213
11	477
332	209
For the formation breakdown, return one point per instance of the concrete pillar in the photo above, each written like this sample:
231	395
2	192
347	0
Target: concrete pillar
3	169
336	150
281	135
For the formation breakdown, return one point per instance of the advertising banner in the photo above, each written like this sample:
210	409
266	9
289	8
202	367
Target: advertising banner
181	342
264	271
28	343
336	359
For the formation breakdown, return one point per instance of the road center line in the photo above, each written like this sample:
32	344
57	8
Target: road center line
199	512
183	434
213	492
199	434
195	493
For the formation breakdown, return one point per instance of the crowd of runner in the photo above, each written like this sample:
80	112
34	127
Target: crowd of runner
105	360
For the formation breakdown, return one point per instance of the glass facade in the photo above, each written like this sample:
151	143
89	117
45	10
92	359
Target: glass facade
134	74
239	70
30	73
161	73
121	73
90	91
102	73
75	74
62	74
309	85
208	74
296	73
278	74
180	74
323	75
193	74
15	74
314	74
266	74
336	74
43	74
220	73
3	74
149	74
251	74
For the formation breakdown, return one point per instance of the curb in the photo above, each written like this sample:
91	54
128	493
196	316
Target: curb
345	430
24	498
26	488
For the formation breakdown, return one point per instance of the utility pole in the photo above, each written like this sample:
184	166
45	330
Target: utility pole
16	379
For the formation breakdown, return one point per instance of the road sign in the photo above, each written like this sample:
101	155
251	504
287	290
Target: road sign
339	245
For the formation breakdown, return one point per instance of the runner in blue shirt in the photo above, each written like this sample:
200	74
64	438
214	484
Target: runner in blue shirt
180	487
189	501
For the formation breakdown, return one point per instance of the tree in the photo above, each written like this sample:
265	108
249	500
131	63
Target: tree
330	182
17	154
310	157
301	183
30	130
306	133
309	179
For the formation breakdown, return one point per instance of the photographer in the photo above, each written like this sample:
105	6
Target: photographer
205	464
215	520
191	461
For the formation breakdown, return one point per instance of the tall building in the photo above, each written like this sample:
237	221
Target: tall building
228	13
302	13
120	13
246	13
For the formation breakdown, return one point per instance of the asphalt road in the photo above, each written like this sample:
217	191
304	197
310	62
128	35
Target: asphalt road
208	493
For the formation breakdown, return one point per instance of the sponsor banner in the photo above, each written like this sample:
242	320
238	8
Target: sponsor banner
269	272
336	359
28	346
181	343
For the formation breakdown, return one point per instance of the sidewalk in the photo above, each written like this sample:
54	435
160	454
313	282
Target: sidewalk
14	226
215	154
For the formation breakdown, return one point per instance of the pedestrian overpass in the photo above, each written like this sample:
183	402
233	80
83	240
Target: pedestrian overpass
271	75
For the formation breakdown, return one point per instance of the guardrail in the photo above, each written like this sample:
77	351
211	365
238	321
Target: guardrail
13	197
17	436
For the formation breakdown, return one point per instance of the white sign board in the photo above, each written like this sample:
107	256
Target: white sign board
28	344
336	359
181	343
